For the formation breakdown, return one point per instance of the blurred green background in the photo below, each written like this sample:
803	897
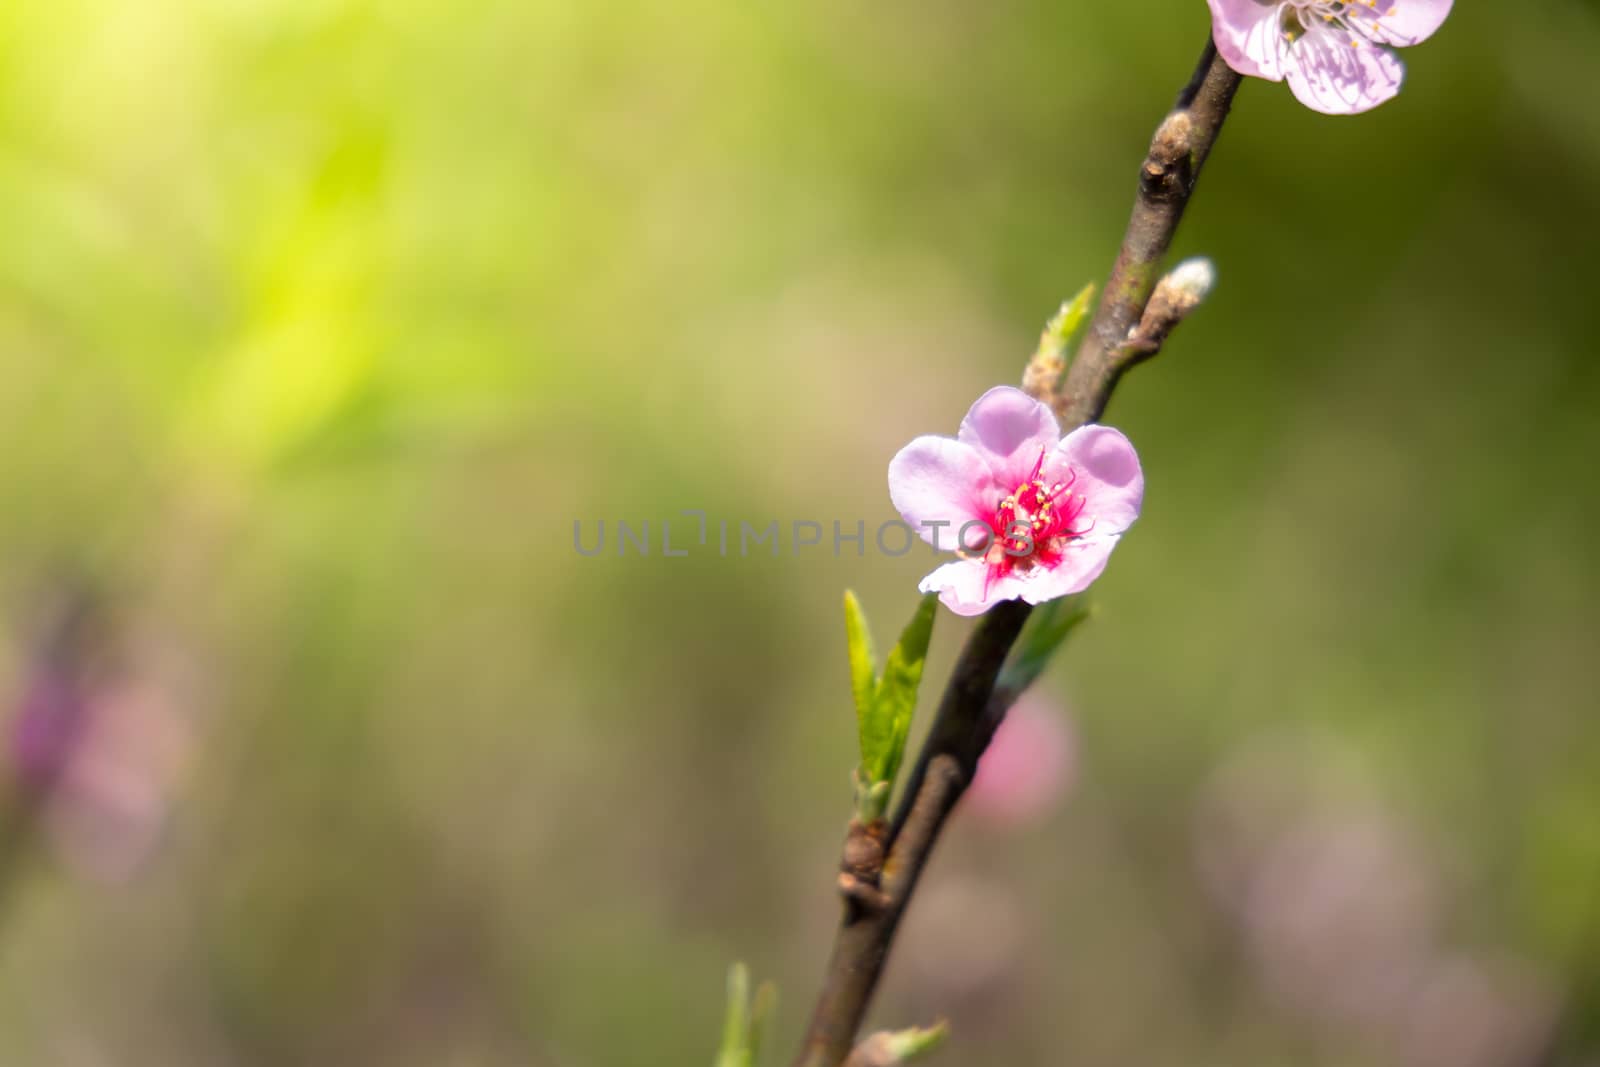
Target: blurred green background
321	323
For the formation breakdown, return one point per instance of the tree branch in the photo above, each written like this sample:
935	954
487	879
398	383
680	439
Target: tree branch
1166	181
1128	327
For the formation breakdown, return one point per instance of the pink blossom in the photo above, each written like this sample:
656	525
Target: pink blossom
1028	765
48	723
110	805
1031	514
1337	55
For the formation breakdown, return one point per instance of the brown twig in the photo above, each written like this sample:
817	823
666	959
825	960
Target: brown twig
862	943
970	711
1166	181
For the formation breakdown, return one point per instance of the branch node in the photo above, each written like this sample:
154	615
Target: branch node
1174	138
1166	171
1179	292
861	866
863	893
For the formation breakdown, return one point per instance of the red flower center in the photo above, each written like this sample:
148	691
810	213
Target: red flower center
1033	525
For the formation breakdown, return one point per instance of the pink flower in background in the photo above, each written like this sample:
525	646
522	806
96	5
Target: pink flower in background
109	808
1337	55
1028	766
1032	515
50	716
100	751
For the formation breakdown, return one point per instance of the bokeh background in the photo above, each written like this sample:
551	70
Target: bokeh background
322	322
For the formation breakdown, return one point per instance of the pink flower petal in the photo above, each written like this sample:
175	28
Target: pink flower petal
938	479
1108	477
1028	765
1402	22
1248	37
1328	73
964	587
1010	428
1335	57
1081	563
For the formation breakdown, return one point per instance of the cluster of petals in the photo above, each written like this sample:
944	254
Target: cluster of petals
1337	55
1030	514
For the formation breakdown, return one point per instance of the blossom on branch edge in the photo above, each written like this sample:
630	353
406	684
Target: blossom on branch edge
1048	509
1030	763
1337	55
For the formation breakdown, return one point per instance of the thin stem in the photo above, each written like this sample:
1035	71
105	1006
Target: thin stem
942	771
970	710
1167	179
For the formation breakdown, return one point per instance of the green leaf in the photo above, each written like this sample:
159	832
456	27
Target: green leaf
862	670
762	1011
1045	631
884	705
907	1045
736	1020
896	697
745	1026
887	1048
872	798
1062	329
